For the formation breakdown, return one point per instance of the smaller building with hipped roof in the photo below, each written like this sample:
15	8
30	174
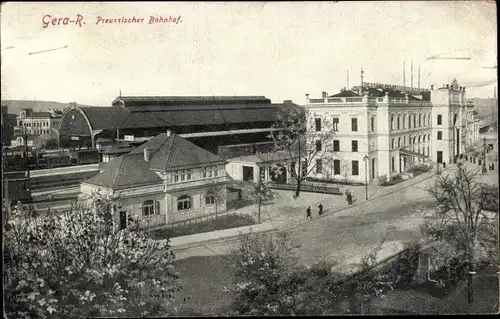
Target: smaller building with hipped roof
165	180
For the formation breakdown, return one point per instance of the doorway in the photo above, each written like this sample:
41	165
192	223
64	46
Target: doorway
123	219
440	157
247	173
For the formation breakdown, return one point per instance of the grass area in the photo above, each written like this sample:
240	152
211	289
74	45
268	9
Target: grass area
219	223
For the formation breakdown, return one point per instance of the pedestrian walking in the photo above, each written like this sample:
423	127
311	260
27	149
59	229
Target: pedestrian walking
308	211
320	207
348	197
444	164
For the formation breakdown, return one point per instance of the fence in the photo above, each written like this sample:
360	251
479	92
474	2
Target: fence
310	187
202	219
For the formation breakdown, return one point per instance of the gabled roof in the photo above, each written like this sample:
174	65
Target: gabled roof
187	100
173	152
346	93
102	117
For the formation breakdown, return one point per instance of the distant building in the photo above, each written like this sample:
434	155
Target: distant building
34	123
8	124
165	180
390	129
207	121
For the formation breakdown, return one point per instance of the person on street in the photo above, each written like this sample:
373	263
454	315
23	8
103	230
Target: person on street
348	197
308	211
444	164
320	207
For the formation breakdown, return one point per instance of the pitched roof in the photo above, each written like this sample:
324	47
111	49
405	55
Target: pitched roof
173	152
166	153
187	100
346	93
129	170
15	106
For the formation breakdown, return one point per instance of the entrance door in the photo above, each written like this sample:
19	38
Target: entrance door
373	168
123	220
440	157
247	173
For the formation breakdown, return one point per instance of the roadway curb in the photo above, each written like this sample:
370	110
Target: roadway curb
217	240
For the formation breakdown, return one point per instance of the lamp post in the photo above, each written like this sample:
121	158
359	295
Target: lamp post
484	171
365	159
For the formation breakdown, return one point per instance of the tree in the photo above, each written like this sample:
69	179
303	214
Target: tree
270	282
261	191
460	218
75	265
296	136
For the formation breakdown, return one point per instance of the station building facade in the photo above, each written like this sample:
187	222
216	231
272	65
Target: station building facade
382	130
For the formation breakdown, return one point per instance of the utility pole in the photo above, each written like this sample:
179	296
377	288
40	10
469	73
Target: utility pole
411	77
404	76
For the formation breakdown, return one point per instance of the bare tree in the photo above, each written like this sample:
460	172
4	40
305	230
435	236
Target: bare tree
460	218
302	139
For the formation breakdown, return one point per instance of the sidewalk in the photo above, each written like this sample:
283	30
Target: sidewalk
219	236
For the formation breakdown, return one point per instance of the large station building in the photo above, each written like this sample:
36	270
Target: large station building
209	122
382	129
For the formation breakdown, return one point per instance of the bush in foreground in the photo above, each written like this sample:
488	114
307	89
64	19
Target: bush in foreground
76	265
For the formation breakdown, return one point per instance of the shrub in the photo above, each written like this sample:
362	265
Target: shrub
76	265
418	169
394	180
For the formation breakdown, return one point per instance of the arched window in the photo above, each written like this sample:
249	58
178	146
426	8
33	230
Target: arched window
404	121
404	141
420	120
392	122
393	143
439	119
419	139
210	198
429	137
409	121
423	137
455	120
150	207
414	121
399	142
414	140
399	127
183	202
425	120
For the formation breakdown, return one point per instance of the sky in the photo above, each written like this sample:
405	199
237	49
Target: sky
281	50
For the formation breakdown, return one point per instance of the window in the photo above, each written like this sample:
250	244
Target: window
404	121
439	119
188	175
392	122
318	124
399	142
318	146
372	124
354	146
392	164
393	143
210	199
354	124
216	171
429	120
183	202
336	167
409	121
414	121
423	137
355	168
335	123
404	141
439	135
176	177
336	145
399	127
420	120
204	172
183	175
319	166
150	207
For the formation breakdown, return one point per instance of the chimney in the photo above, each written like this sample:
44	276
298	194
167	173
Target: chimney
323	94
146	154
447	86
169	132
432	87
